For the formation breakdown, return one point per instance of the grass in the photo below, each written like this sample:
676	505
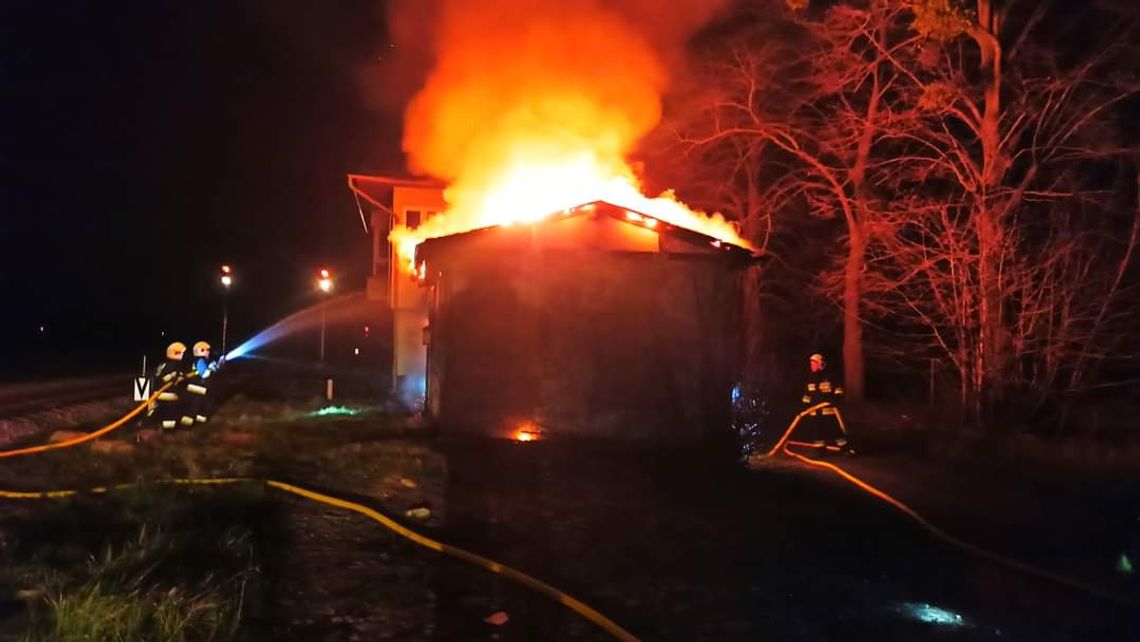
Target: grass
161	578
918	430
246	438
93	611
159	562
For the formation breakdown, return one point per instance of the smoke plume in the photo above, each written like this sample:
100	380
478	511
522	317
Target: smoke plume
514	78
533	104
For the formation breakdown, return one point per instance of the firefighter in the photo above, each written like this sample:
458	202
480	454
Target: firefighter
167	409
200	402
825	429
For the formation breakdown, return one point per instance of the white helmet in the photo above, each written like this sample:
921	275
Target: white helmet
175	350
201	349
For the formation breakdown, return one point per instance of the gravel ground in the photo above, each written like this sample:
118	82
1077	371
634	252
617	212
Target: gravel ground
85	415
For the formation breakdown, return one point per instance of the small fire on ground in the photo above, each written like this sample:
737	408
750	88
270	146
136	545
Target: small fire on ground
526	432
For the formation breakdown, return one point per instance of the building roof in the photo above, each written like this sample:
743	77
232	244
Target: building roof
675	239
668	238
377	190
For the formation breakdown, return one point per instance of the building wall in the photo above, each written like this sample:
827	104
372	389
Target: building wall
587	343
408	299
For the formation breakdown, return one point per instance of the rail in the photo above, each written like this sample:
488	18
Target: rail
18	400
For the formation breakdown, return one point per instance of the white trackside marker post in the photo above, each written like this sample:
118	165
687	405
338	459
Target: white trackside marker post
142	388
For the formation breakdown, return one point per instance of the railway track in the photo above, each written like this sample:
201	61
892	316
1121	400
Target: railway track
21	399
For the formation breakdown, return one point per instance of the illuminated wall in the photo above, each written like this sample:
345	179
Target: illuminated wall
581	326
411	206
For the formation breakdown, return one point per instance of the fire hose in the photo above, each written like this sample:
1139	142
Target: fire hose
579	607
75	441
783	445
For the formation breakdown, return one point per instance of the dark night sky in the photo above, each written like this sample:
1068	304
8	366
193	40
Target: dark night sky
145	143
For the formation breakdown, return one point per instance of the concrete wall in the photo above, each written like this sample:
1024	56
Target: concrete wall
588	343
407	299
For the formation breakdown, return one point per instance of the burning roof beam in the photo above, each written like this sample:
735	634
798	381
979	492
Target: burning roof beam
597	210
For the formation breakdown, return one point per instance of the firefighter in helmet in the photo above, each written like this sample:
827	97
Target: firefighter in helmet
197	410
825	428
167	408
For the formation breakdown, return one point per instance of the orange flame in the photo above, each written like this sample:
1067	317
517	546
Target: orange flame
521	198
532	108
527	431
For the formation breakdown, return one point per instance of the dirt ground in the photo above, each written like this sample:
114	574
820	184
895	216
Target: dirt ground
673	545
325	574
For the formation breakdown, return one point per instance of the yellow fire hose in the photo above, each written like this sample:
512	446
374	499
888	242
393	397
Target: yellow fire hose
796	421
973	549
579	607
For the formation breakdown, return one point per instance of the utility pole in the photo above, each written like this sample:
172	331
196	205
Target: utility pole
227	281
325	285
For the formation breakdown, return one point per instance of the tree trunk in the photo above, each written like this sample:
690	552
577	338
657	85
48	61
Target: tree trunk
991	340
852	325
857	243
992	346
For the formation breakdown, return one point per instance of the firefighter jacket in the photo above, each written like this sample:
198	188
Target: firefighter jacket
167	371
819	389
198	406
204	367
201	368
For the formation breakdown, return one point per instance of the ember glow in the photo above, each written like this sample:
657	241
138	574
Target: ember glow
527	431
532	108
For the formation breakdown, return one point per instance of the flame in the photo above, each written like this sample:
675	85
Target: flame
532	108
532	193
527	431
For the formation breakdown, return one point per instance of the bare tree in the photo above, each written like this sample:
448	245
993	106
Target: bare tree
1010	252
810	106
965	151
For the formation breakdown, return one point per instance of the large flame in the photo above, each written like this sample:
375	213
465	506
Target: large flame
532	108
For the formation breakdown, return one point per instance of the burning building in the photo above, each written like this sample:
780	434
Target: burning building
537	288
397	203
597	320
